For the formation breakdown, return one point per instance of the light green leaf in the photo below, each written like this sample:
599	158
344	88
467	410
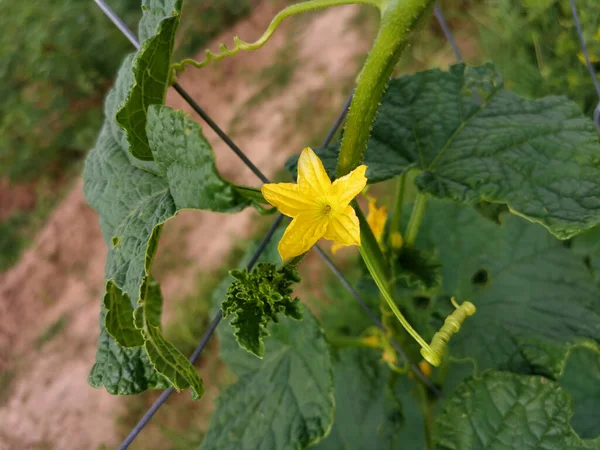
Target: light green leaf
506	411
286	403
185	159
119	317
534	297
367	413
151	68
581	378
122	371
164	356
540	157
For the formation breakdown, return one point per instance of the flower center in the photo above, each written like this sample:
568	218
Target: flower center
326	209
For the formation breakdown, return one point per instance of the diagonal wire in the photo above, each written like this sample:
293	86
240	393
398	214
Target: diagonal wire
446	29
165	395
588	63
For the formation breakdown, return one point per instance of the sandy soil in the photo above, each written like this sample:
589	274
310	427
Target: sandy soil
48	404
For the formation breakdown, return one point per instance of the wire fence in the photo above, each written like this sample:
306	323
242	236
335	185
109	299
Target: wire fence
261	176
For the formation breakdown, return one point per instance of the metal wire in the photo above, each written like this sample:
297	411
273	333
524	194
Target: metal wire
446	29
588	63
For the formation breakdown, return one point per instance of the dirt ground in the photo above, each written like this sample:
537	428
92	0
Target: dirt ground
50	300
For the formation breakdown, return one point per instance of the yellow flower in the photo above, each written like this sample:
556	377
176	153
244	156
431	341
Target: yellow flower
319	207
376	220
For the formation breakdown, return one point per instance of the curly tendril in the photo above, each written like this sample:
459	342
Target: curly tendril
239	45
435	351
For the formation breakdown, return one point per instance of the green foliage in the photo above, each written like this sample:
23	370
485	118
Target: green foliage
256	298
372	416
510	373
540	157
507	411
134	198
284	401
417	267
54	77
520	279
535	47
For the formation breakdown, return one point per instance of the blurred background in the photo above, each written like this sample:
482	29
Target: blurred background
58	58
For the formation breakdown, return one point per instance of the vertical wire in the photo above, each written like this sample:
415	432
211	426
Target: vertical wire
588	63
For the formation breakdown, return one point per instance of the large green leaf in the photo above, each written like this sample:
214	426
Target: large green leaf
581	377
506	411
151	69
286	402
367	412
534	297
134	198
540	157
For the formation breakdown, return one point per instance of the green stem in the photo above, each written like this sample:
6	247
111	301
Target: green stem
375	262
398	199
311	5
416	217
399	18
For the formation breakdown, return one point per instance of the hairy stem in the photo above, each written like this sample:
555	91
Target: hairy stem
416	217
399	18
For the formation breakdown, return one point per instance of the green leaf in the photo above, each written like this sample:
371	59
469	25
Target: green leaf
256	298
151	70
367	413
123	371
540	157
119	317
417	267
286	403
507	411
581	378
534	297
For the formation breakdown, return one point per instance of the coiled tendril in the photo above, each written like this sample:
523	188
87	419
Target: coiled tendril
435	351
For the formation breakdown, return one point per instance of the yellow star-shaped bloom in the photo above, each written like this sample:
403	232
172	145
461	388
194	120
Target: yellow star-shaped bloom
319	207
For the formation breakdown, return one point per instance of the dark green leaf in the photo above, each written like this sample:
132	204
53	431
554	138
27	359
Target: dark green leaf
367	413
151	68
540	157
256	298
506	411
417	267
286	403
534	297
581	378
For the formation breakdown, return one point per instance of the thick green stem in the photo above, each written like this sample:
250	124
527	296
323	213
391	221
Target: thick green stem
399	18
416	216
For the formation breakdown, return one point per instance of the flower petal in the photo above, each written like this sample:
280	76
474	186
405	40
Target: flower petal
312	176
377	218
286	197
344	228
349	186
304	232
